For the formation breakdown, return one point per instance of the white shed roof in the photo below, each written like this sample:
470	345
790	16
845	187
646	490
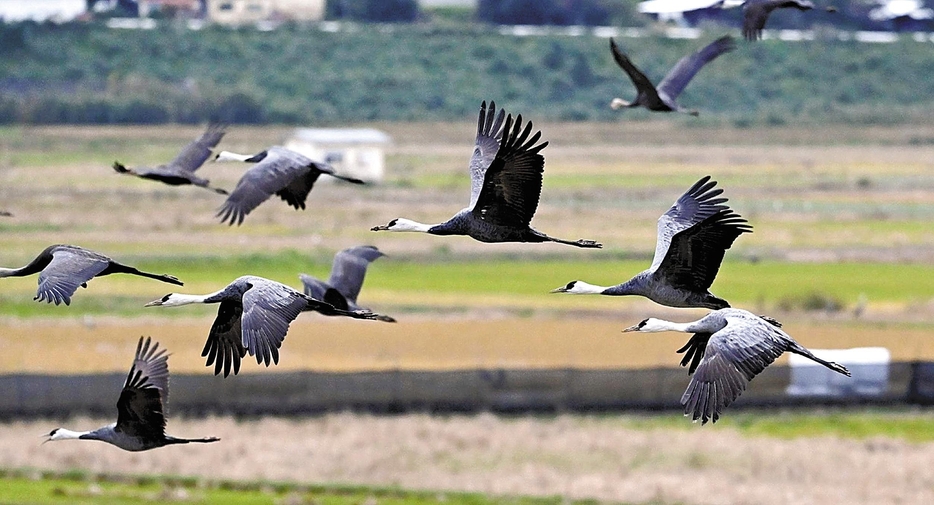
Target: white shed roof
672	6
342	136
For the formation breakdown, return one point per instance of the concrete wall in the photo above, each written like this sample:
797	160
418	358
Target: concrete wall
501	390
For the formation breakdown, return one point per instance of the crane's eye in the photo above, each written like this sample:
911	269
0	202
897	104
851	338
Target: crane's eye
641	324
570	285
166	297
393	223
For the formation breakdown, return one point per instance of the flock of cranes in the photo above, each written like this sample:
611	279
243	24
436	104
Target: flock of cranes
728	348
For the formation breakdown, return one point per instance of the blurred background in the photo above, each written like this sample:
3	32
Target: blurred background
821	135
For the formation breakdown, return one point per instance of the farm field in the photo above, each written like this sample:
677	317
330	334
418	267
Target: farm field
842	253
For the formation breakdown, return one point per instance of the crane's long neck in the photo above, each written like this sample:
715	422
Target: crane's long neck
179	299
229	156
10	272
66	434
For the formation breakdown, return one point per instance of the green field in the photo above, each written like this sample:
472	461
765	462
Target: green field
77	488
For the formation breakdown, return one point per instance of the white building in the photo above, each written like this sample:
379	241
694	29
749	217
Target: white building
355	152
236	12
58	11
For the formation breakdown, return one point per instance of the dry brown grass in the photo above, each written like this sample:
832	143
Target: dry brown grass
572	456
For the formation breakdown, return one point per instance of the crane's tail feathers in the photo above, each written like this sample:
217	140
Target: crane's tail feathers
120	168
219	190
385	319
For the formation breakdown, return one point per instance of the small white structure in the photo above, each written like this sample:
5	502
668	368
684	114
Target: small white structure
869	366
685	12
58	11
355	152
236	12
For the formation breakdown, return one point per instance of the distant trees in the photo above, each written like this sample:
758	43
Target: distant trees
547	12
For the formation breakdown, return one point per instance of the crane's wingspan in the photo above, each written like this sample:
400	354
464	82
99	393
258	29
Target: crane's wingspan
268	309
756	13
68	269
694	206
489	132
695	254
639	80
274	173
513	182
224	346
734	356
198	151
141	406
313	287
683	71
349	270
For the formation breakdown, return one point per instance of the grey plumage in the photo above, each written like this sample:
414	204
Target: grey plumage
756	13
140	422
728	349
693	236
347	274
506	182
254	316
664	98
181	170
63	268
278	171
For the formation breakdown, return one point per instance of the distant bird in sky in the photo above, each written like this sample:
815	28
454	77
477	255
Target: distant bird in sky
347	274
506	183
181	170
140	422
278	171
664	98
728	349
62	268
692	238
254	316
756	13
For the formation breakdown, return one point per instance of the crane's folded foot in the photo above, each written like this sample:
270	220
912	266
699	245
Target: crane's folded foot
588	244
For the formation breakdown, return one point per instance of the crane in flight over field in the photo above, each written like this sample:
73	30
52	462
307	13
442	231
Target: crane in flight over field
347	274
664	98
181	170
278	171
140	422
254	316
63	268
756	13
728	349
506	183
692	238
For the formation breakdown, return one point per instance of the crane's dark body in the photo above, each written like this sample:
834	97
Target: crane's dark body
63	268
693	236
278	171
756	13
728	348
347	274
181	170
506	172
140	422
664	98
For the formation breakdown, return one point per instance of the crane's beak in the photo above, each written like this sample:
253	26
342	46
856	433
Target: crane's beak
381	227
562	289
154	303
631	328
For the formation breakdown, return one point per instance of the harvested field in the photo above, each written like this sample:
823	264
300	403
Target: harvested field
614	458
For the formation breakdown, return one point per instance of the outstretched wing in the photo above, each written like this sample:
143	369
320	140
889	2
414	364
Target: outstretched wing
224	346
693	207
642	83
313	287
682	73
695	254
280	171
268	309
512	184
198	151
489	132
69	269
733	356
349	270
140	408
